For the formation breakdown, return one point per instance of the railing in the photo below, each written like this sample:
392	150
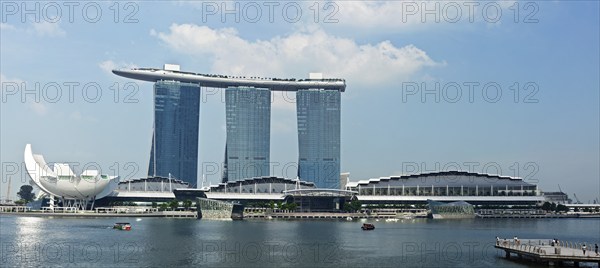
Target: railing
60	209
541	246
132	210
14	209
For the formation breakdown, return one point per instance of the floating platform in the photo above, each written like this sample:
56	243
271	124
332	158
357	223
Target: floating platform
541	250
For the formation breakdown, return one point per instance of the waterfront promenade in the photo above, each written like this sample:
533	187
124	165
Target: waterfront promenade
542	250
96	213
88	214
317	215
193	214
260	213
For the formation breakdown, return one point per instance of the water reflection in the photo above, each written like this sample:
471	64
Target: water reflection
158	242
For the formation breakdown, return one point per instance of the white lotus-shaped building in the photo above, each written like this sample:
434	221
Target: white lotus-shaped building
60	181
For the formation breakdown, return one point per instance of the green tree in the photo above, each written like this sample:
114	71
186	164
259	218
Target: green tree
163	206
547	206
26	193
353	206
154	205
174	204
561	207
187	204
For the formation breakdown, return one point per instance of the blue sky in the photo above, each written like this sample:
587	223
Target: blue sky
548	53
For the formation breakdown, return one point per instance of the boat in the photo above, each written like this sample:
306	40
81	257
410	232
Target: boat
367	226
125	226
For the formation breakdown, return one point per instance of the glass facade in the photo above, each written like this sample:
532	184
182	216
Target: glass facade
445	183
319	137
448	190
175	138
248	121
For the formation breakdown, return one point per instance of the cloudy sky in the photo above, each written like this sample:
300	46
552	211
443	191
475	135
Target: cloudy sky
494	87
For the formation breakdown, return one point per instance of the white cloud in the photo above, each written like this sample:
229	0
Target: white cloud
109	65
6	27
76	116
10	83
4	79
283	100
38	108
297	54
49	29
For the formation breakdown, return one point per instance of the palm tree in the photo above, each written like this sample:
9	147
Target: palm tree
187	204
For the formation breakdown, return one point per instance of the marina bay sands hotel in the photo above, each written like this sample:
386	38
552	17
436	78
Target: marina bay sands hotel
248	121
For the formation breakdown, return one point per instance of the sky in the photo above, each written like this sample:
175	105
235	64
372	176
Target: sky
506	87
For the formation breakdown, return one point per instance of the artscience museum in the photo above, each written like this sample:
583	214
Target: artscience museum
61	185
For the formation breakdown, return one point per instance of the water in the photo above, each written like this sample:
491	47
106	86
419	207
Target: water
161	242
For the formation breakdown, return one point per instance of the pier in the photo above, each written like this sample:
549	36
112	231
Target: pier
542	250
526	216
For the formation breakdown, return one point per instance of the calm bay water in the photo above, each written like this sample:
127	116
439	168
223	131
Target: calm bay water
160	242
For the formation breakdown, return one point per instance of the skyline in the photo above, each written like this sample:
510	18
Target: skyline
248	119
546	119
